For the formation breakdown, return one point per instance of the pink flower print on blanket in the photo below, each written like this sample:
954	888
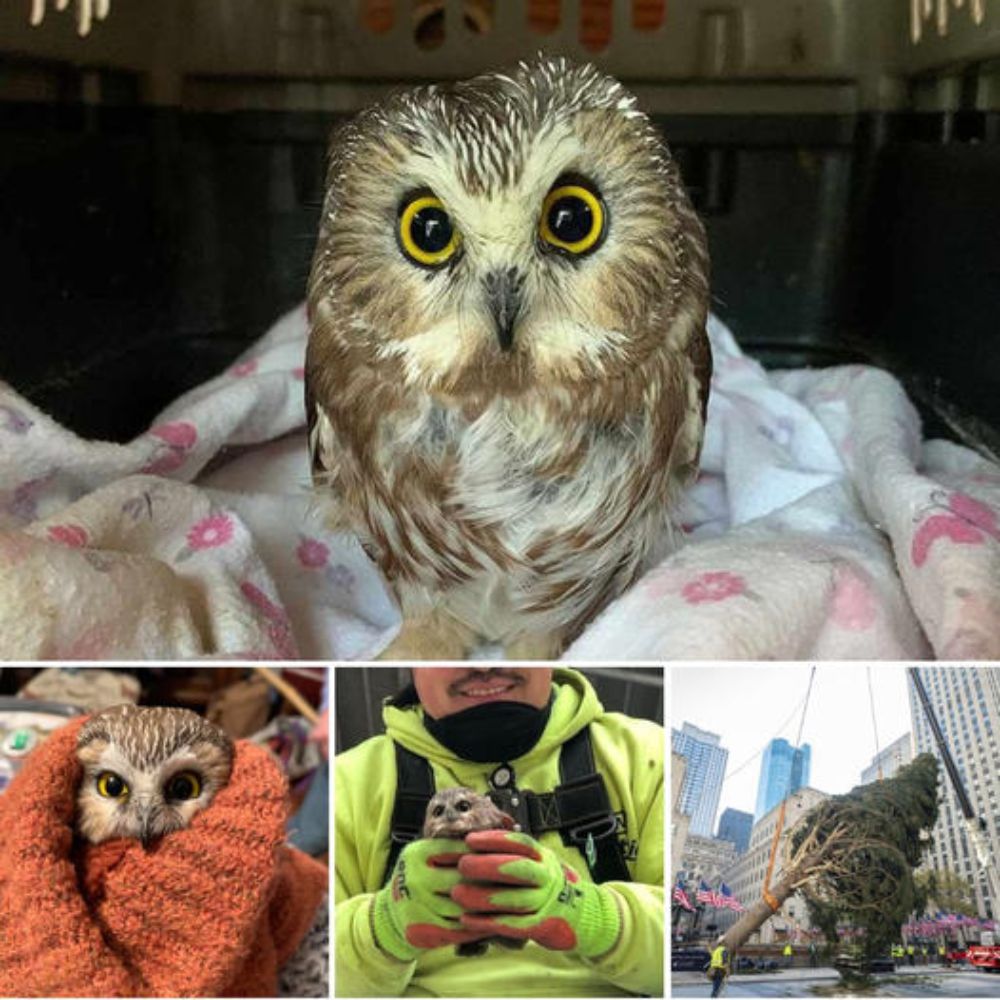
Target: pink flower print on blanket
312	553
853	606
716	585
176	441
210	532
68	534
244	368
969	522
279	627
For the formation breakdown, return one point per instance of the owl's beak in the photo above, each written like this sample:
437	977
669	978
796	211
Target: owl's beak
146	825
503	299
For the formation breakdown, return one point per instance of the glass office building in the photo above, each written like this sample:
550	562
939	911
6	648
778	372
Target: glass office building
706	767
783	770
735	826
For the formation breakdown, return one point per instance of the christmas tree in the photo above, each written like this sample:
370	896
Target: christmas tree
852	858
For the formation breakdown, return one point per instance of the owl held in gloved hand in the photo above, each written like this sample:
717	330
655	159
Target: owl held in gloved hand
455	812
507	367
147	771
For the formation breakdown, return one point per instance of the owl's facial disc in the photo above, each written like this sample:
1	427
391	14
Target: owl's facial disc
120	797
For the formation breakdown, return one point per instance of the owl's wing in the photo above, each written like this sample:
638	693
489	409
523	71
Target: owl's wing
320	436
324	456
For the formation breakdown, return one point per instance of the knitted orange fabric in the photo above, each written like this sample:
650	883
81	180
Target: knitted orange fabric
212	910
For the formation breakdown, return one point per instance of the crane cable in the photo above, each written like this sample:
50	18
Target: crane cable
767	895
871	702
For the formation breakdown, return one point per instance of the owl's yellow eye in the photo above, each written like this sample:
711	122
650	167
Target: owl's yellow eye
426	234
183	786
573	219
111	786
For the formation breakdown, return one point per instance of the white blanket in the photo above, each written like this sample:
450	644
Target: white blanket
821	527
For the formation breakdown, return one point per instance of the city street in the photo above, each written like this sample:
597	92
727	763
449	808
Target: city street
930	982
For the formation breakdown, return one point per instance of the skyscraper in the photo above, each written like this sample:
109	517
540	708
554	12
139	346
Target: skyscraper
735	826
885	764
706	767
783	769
966	701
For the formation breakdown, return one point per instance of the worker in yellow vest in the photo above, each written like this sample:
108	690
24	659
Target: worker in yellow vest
942	954
787	952
718	967
910	952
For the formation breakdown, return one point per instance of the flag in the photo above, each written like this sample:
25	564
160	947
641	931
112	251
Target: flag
706	895
728	899
681	897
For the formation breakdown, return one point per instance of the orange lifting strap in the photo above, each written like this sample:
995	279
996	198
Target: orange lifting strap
779	827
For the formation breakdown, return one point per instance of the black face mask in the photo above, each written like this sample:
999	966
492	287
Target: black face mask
491	733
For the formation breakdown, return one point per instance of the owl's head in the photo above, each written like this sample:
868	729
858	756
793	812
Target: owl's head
515	229
147	771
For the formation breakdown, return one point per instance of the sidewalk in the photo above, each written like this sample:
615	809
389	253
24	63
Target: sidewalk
822	974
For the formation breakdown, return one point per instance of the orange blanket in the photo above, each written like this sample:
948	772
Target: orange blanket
213	910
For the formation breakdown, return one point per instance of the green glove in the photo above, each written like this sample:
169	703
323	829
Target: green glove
535	895
413	911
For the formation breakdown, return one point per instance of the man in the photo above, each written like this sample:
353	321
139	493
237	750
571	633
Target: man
515	732
718	966
787	952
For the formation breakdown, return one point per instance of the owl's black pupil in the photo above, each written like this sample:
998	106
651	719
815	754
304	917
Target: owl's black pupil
463	805
114	785
438	810
182	788
570	219
431	229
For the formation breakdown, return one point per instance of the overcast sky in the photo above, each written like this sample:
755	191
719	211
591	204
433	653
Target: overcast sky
750	705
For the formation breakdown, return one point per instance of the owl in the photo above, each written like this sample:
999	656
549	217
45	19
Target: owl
147	771
507	368
454	812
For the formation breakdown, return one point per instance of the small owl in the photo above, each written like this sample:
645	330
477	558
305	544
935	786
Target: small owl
147	771
455	812
507	368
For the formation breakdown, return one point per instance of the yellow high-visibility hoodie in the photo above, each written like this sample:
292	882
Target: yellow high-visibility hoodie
628	753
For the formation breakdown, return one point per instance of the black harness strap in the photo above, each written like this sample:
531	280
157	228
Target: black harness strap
579	809
414	789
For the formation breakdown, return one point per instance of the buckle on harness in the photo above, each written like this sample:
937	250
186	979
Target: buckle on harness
598	829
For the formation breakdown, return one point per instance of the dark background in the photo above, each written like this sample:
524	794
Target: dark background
142	250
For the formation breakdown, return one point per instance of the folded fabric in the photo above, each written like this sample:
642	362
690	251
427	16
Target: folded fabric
108	551
212	910
822	525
